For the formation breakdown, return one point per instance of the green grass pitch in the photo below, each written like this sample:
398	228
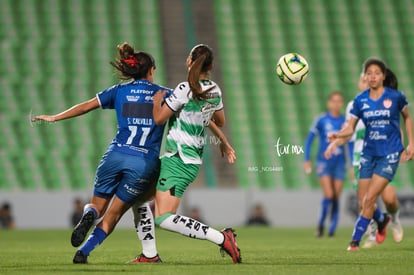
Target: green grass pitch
264	251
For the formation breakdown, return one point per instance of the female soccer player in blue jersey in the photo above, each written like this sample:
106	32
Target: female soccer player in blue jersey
330	172
189	109
129	169
379	107
355	145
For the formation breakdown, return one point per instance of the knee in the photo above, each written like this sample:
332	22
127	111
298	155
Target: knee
369	202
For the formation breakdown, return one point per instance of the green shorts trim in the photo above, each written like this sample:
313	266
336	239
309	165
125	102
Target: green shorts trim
356	176
176	176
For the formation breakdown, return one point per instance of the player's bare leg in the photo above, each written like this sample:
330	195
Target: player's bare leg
389	196
92	211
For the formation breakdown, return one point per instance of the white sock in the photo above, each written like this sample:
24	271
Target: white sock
192	228
373	230
145	226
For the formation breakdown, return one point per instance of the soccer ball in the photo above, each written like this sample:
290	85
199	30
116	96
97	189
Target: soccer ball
292	68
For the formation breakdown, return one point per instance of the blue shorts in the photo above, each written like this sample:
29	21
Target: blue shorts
384	166
127	176
335	170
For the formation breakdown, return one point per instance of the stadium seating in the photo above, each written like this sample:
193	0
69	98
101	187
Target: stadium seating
56	54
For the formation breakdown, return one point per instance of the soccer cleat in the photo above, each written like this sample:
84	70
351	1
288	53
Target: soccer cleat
382	229
80	258
353	246
229	245
82	228
370	243
371	239
319	231
144	259
397	231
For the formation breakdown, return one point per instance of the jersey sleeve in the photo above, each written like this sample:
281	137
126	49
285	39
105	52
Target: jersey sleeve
220	105
402	103
348	111
179	97
356	110
106	98
315	126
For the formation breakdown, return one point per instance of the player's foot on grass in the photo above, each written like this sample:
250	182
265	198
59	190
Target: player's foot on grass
353	246
81	229
79	258
370	243
382	229
144	259
319	231
230	246
397	231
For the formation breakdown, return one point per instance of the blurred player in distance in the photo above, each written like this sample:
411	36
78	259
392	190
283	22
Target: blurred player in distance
129	169
379	107
331	173
389	195
189	109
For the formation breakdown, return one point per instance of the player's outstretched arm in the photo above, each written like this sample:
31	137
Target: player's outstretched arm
225	147
341	137
77	110
409	130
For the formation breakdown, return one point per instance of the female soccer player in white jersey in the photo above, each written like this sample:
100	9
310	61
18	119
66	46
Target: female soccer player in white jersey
389	195
129	169
379	107
189	110
331	173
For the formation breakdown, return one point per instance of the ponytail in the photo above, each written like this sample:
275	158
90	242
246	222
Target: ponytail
194	77
131	64
201	57
390	80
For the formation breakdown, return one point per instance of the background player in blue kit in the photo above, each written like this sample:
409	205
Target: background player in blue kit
130	167
379	107
331	172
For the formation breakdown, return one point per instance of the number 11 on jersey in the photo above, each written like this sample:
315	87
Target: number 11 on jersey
133	129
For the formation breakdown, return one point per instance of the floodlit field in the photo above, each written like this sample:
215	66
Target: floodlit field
264	251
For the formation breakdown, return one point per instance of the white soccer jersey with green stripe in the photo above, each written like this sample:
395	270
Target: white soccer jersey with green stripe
357	137
186	128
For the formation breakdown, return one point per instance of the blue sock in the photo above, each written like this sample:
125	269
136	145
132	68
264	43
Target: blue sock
378	215
361	226
324	210
334	216
91	209
96	238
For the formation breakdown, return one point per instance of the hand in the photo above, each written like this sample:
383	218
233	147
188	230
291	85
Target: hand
409	152
308	167
44	118
332	137
159	97
330	150
227	150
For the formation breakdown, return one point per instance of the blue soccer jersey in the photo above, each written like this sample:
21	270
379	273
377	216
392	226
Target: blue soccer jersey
137	132
382	120
322	126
